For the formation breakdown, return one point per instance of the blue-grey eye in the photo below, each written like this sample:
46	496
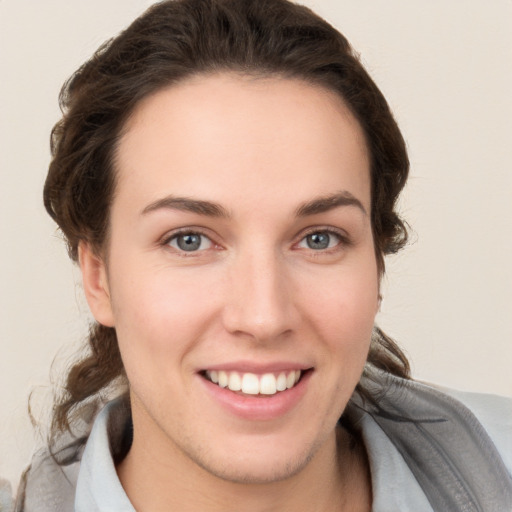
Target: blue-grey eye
190	242
320	240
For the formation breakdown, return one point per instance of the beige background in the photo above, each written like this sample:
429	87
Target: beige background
446	69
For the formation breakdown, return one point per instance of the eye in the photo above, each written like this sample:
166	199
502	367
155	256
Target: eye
190	242
320	240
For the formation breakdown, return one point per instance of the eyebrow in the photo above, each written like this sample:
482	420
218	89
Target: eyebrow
201	207
326	203
212	209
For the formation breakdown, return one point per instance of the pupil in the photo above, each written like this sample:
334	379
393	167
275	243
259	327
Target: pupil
318	241
189	242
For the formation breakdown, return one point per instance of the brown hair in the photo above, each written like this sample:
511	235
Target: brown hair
172	41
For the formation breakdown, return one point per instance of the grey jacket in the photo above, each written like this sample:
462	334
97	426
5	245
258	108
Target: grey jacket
428	452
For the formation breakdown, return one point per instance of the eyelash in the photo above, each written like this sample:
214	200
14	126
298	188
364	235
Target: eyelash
166	241
344	240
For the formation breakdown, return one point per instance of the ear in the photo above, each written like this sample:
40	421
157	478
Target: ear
96	288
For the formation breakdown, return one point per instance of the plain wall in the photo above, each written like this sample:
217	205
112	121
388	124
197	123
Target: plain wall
446	69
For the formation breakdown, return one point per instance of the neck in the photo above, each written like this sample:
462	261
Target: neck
336	478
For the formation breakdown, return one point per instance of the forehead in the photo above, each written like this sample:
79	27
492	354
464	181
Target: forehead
262	138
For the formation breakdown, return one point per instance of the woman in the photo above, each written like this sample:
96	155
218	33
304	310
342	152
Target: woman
226	175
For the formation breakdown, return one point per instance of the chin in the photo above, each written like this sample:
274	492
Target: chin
263	463
259	471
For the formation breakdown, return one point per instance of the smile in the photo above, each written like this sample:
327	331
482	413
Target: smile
253	384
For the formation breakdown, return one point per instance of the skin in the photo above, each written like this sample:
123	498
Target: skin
260	149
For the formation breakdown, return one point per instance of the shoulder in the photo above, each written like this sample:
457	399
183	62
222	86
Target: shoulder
69	475
456	445
5	495
494	412
48	485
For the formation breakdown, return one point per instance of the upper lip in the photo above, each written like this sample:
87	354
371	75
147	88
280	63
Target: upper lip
257	368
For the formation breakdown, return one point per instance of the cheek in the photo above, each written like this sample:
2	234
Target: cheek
343	310
354	300
160	314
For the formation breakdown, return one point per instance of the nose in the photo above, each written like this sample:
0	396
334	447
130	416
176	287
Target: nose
259	301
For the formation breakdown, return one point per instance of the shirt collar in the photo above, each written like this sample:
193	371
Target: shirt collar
98	487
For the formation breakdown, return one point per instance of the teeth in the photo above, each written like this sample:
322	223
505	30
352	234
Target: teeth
290	380
252	384
235	382
223	379
268	385
281	382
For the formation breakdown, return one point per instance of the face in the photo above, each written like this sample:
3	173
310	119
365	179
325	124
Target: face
241	275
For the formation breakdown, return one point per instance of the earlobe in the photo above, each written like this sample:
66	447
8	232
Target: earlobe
95	282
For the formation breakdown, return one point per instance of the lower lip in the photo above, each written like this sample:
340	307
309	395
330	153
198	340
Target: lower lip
261	407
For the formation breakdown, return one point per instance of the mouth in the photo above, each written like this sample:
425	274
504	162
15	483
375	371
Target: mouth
254	384
257	392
